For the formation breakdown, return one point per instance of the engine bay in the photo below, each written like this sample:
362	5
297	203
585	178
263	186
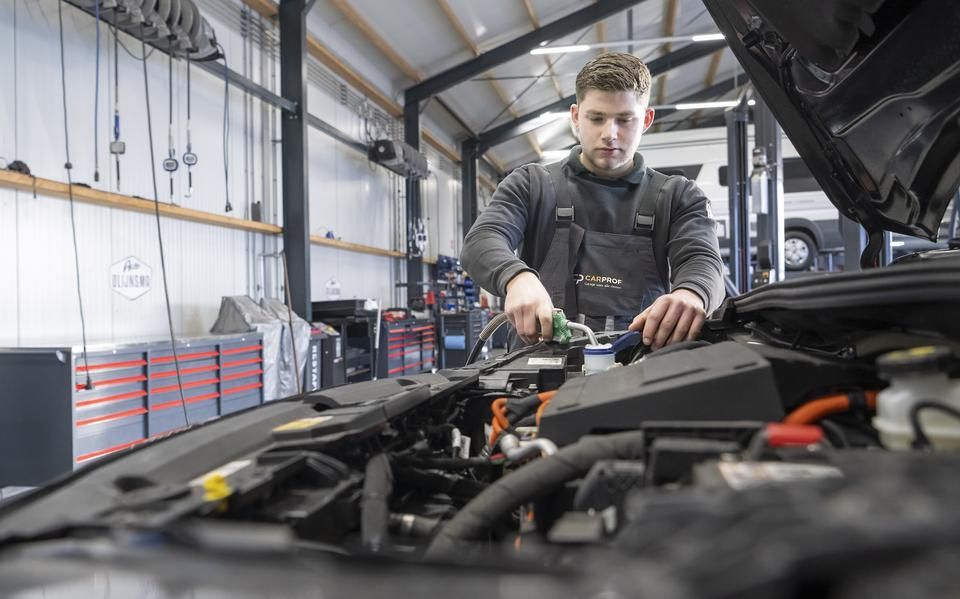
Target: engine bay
739	452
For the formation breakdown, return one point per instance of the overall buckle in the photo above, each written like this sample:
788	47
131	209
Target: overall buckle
643	222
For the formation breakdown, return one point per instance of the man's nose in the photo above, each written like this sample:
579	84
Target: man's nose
610	131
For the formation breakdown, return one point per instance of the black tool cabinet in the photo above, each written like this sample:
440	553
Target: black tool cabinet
407	347
52	423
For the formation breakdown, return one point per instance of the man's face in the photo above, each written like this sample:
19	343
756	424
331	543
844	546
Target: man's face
610	125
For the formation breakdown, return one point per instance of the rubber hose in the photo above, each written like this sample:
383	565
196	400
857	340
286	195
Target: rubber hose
485	334
447	463
435	482
413	525
374	504
535	480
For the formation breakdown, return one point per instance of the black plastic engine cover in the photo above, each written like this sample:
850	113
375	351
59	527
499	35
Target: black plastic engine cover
726	381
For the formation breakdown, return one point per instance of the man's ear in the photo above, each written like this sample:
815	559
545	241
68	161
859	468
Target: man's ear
647	119
575	119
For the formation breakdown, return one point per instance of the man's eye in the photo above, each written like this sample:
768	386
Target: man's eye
625	121
596	119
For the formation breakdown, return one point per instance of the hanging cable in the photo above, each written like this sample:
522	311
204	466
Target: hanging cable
226	127
189	158
116	38
73	221
293	339
117	147
96	102
170	164
156	211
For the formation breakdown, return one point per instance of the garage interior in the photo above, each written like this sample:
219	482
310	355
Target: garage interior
211	206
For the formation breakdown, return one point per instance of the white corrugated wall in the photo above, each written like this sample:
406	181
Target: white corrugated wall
38	301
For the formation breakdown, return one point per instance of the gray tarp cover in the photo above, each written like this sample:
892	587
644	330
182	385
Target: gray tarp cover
301	333
240	314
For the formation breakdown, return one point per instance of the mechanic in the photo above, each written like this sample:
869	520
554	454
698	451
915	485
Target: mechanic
611	241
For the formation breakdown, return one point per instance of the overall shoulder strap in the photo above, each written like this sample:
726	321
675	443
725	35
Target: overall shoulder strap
561	190
654	186
645	218
561	254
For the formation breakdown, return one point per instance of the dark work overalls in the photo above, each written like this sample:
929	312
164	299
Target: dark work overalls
604	279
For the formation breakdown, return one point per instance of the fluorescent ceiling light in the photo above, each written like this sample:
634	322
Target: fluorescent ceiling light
700	37
554	154
561	49
705	105
547	117
897	244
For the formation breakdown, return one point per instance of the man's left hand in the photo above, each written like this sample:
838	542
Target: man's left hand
674	317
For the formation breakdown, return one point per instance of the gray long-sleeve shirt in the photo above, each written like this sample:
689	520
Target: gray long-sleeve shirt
522	215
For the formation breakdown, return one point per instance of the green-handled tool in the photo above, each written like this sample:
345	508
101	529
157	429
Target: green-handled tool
561	332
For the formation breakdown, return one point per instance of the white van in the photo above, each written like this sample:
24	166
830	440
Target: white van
811	222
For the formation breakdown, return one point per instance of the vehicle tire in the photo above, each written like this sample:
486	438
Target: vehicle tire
799	250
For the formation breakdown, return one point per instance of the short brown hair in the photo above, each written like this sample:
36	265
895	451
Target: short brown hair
613	72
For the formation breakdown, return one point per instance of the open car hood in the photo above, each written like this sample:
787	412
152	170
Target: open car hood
868	92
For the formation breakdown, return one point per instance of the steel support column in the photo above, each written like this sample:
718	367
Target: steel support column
738	229
411	132
767	134
293	131
469	156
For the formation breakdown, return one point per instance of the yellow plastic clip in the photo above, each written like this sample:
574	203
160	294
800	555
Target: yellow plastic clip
216	488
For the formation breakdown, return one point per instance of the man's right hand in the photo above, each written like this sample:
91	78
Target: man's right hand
528	302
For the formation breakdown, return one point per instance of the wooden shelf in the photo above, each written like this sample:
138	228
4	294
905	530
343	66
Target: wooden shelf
355	247
115	200
49	187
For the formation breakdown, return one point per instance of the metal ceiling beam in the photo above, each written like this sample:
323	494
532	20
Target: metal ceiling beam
378	41
705	95
602	37
535	21
268	10
708	93
515	48
497	88
528	122
396	59
669	26
711	76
